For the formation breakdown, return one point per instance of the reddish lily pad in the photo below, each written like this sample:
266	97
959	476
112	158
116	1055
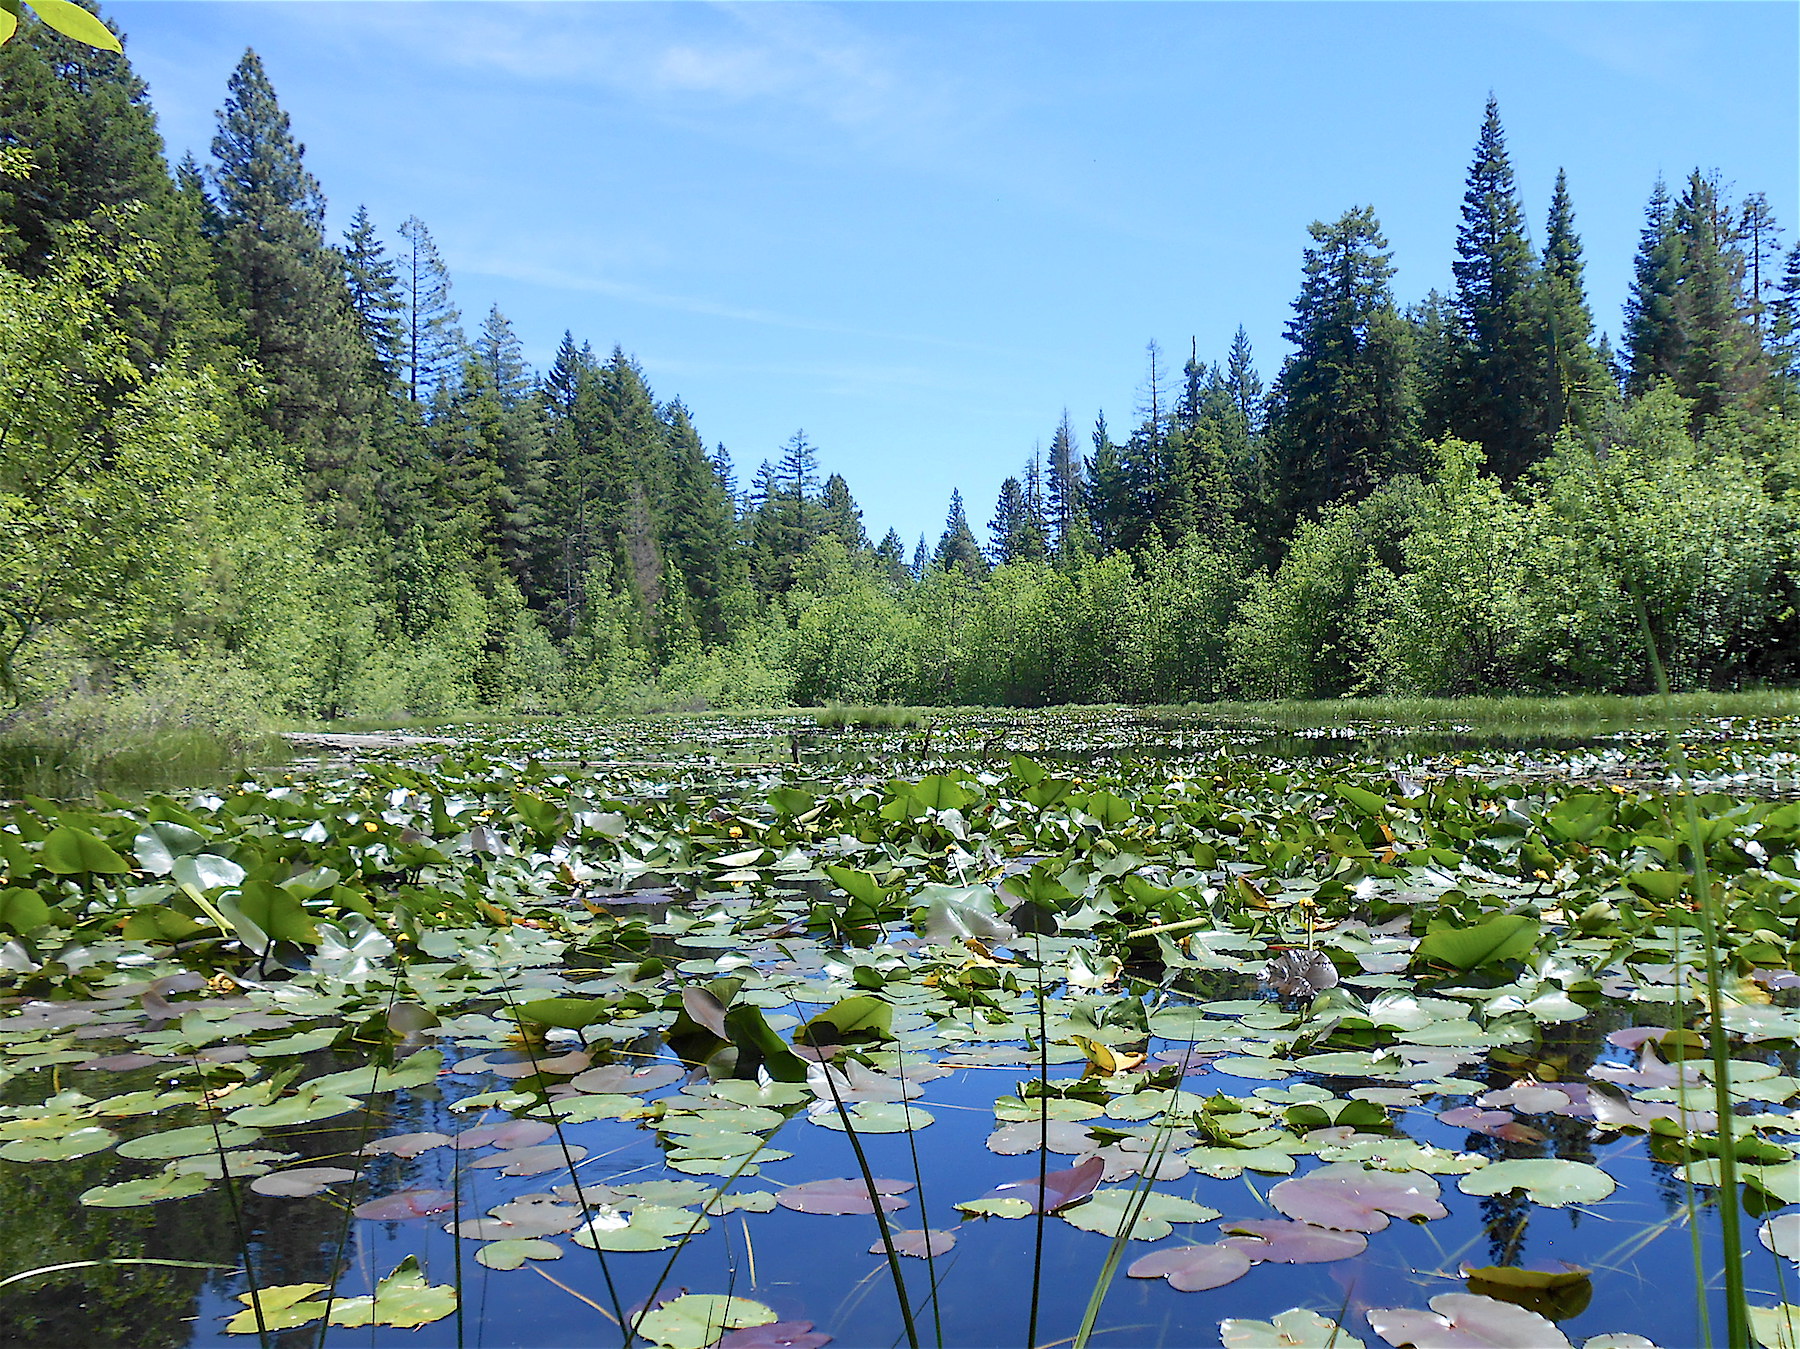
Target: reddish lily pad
404	1204
1280	1242
300	1181
776	1335
1193	1269
1061	1188
405	1145
1346	1196
918	1241
843	1196
1467	1321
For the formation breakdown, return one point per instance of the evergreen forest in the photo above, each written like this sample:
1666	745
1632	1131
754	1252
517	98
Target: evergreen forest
249	467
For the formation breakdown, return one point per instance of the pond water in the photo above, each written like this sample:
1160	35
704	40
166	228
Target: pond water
1326	994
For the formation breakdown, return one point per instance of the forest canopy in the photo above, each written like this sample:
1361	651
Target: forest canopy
265	468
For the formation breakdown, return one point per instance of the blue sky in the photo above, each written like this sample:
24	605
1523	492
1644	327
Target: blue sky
922	230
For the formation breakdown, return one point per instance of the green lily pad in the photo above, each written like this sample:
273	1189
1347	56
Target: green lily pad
189	1142
1106	1211
876	1117
515	1251
1296	1329
695	1320
302	1109
283	1308
1549	1181
61	1148
403	1298
166	1184
1776	1327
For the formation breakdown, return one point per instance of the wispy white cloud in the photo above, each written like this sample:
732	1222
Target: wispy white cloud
593	282
804	65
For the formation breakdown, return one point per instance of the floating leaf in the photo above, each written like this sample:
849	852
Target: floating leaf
1346	1196
918	1241
166	1184
405	1145
1060	1189
61	1147
69	851
1107	1212
1506	936
188	1142
282	1307
402	1299
1296	1329
843	1196
534	1161
1467	1321
776	1335
874	1117
1192	1269
1548	1180
1781	1234
1776	1327
514	1252
301	1181
1280	1242
696	1320
404	1204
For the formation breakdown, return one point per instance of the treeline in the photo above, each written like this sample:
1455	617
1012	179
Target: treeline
240	457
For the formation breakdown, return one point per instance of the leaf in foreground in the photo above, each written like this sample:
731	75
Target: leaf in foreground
843	1196
1295	1329
1467	1321
1548	1180
1344	1195
1193	1269
403	1299
1776	1327
166	1184
695	1320
283	1308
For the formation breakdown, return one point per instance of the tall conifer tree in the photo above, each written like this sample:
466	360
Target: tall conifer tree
431	326
1503	385
290	292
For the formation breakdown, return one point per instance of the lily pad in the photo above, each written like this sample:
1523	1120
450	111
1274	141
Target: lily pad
1467	1321
406	1204
918	1241
300	1181
696	1320
404	1298
282	1308
1295	1329
166	1184
1193	1269
1107	1212
1549	1181
513	1253
843	1196
1278	1241
1348	1197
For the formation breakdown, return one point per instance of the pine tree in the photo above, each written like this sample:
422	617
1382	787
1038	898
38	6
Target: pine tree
1245	384
921	559
1109	492
290	292
702	531
957	549
1504	383
1757	228
1343	413
890	558
1068	524
1578	382
374	293
1005	527
1720	357
840	517
1652	329
502	358
431	331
